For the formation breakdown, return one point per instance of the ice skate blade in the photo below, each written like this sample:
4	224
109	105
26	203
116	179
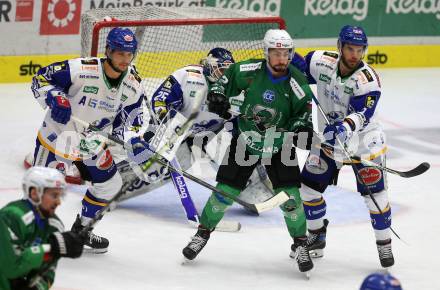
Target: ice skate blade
317	253
307	274
94	251
186	261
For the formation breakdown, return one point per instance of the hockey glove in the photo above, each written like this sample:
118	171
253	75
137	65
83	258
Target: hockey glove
68	244
160	109
59	105
339	130
219	104
23	284
139	151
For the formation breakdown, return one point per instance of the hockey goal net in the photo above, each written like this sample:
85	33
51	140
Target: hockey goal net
170	38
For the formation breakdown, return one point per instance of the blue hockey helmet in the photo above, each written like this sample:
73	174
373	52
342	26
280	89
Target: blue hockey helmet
122	39
379	281
352	35
214	64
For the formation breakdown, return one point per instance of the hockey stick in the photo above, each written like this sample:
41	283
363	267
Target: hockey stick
182	189
355	170
188	205
268	204
419	169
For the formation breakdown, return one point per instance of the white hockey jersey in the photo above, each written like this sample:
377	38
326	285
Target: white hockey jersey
178	92
354	97
92	99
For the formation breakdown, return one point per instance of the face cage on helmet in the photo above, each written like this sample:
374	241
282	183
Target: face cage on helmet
215	68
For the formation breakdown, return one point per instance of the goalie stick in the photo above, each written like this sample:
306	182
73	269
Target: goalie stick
268	204
189	207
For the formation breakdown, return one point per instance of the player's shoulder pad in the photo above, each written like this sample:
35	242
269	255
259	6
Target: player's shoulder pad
325	58
19	211
84	66
367	80
249	65
190	72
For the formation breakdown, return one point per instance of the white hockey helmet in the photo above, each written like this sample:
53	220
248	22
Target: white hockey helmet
277	38
41	178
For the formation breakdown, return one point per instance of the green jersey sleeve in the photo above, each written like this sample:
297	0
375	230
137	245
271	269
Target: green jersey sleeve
22	252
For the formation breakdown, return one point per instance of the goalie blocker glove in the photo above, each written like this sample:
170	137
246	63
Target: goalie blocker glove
219	104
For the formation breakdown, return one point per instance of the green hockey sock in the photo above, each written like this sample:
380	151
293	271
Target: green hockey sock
216	206
293	212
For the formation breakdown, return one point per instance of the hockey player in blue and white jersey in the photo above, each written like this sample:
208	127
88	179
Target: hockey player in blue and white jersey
103	91
348	90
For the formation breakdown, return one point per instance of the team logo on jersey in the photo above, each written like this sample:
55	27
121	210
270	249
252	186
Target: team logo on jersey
269	96
370	175
370	101
325	78
105	160
316	165
263	117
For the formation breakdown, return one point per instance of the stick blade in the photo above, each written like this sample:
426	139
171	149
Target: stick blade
422	168
272	202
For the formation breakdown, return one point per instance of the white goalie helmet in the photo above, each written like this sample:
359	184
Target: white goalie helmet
41	178
277	38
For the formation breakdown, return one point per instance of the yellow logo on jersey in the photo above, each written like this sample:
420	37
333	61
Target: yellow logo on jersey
370	101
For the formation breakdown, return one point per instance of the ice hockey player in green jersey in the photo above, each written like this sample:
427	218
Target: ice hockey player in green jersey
32	237
274	100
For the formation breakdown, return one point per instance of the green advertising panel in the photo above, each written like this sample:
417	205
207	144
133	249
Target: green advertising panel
324	18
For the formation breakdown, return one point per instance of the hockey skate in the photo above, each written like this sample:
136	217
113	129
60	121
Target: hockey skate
197	243
302	256
315	242
93	244
385	253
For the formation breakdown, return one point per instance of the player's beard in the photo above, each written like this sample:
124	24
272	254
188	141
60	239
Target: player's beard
348	65
280	68
46	213
116	69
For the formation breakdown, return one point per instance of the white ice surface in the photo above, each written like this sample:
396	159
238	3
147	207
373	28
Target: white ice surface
148	233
